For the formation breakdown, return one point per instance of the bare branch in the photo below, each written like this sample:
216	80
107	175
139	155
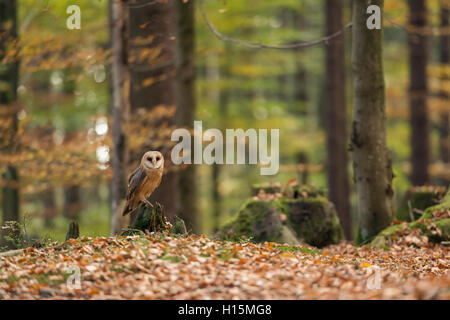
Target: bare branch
260	45
427	31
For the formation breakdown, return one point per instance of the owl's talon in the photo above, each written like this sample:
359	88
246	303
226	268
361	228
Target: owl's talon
148	204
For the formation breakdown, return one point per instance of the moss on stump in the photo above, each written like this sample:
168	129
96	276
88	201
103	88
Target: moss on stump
286	215
153	220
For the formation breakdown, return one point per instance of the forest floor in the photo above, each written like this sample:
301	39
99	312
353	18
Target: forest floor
159	266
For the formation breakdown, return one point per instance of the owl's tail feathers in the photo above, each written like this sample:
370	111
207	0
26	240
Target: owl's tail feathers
127	209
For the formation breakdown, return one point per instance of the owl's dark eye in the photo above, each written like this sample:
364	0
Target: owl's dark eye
150	159
158	158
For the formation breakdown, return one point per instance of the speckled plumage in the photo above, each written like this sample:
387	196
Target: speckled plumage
144	180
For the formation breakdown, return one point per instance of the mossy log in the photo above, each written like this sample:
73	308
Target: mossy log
434	224
417	199
298	213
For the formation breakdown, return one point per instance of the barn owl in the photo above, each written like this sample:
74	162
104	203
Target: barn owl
144	180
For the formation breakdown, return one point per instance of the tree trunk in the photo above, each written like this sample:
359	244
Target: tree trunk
216	197
185	99
50	210
336	114
444	57
9	75
420	146
120	86
72	202
371	162
223	104
152	29
43	87
72	198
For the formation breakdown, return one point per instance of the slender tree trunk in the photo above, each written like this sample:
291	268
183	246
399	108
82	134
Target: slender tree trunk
72	202
120	109
43	87
186	105
217	208
153	29
72	197
420	145
336	114
371	162
50	210
9	75
223	102
444	57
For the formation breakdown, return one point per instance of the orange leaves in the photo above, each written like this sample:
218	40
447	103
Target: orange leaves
93	291
195	267
11	287
72	241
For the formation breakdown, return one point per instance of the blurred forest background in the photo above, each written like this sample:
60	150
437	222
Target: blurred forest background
59	128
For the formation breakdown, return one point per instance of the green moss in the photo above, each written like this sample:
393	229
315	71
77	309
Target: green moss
43	278
179	227
384	237
444	226
172	258
249	222
150	219
301	249
312	219
424	223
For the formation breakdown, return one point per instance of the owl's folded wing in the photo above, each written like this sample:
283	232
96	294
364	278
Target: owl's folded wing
135	181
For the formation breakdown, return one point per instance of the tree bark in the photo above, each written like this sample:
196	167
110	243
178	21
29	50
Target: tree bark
223	105
336	114
72	197
120	86
186	105
420	145
72	202
9	75
155	24
371	162
217	208
50	210
444	57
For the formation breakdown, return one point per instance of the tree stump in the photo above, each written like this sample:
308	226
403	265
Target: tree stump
179	227
151	219
74	231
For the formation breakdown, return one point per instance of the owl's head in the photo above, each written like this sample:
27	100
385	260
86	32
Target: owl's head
152	160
